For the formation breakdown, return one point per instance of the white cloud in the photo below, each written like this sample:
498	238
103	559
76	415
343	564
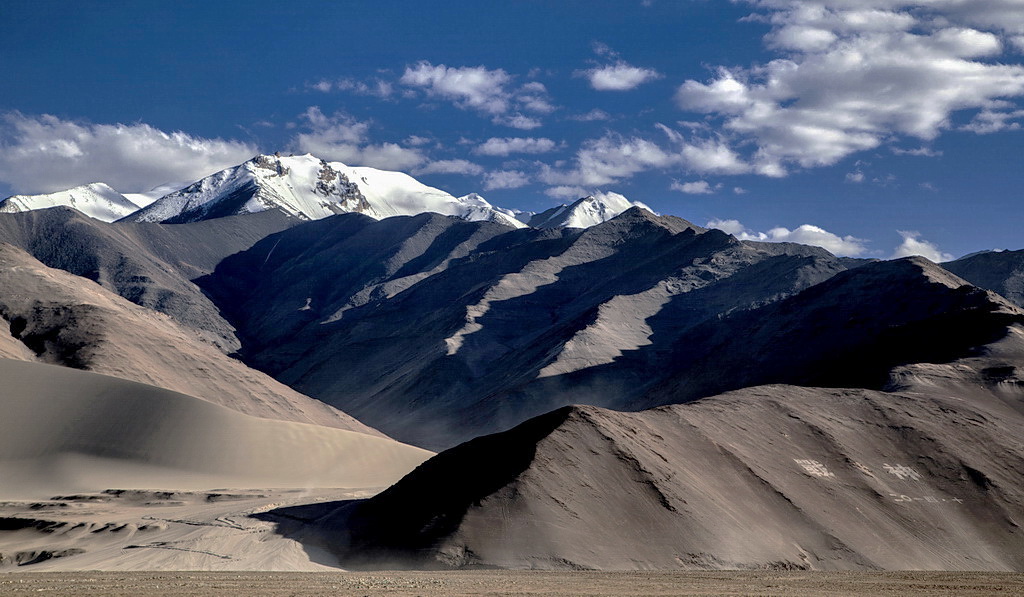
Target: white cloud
566	192
854	75
518	121
697	187
505	179
42	154
994	121
591	116
612	158
920	151
450	167
913	244
609	159
416	140
620	76
342	138
322	85
805	234
376	87
490	92
855	177
469	87
499	146
533	96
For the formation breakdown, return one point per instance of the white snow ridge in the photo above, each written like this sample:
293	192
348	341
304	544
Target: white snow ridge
96	200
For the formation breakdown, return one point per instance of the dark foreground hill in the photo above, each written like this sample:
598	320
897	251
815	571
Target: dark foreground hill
784	477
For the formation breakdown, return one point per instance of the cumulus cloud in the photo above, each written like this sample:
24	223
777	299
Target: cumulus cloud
852	76
340	137
450	167
697	187
502	146
505	179
913	244
469	87
620	76
42	154
617	75
492	92
805	234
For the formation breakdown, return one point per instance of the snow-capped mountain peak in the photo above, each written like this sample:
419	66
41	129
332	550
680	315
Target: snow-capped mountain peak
309	188
585	212
96	200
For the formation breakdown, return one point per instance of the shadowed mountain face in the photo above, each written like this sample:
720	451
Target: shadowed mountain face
149	264
766	477
998	271
436	330
849	331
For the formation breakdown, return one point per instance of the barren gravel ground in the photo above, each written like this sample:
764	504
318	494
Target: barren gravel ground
549	584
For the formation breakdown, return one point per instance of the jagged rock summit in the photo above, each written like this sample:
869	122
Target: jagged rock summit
308	188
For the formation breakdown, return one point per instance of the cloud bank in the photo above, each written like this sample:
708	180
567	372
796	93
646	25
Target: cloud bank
43	154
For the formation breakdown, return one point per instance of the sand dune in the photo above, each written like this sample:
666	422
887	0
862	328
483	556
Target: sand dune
65	430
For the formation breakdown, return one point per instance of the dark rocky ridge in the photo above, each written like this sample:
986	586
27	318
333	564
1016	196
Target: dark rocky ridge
151	265
998	271
436	330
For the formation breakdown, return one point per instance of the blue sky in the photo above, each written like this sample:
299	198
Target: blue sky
872	127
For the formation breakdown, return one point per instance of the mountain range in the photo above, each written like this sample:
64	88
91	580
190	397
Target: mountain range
606	387
307	188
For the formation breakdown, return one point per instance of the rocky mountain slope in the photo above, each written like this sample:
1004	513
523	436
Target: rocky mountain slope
446	326
149	264
66	320
998	271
